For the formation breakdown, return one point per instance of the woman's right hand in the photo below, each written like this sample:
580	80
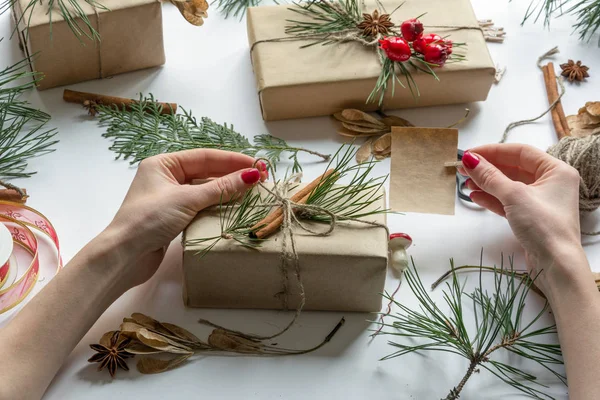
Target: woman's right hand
539	196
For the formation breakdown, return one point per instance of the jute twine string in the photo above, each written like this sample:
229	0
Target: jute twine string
289	254
98	42
582	154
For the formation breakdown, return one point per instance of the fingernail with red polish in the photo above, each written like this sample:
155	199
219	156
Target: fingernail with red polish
261	166
251	176
469	160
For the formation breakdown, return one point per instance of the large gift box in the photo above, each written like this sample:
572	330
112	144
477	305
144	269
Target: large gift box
296	82
344	271
131	38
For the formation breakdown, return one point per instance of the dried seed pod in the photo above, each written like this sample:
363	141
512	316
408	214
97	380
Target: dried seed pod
392	120
364	152
360	129
348	133
147	365
357	115
383	143
339	117
160	342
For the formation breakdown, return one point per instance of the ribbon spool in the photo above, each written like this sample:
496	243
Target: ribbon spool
19	225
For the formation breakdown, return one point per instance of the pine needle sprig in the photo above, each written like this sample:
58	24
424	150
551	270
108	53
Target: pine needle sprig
143	131
587	13
22	129
70	10
347	202
235	8
500	324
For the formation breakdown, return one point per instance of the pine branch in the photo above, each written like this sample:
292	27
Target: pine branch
587	13
142	132
500	325
235	8
351	201
22	129
70	10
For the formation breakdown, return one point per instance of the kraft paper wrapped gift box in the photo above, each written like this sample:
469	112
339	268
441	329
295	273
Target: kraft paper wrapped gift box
345	271
131	39
296	82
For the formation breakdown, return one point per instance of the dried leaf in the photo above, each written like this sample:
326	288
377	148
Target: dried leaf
593	108
150	323
364	152
224	340
162	343
181	332
357	115
339	117
105	340
383	143
392	120
147	365
380	157
347	132
360	129
138	348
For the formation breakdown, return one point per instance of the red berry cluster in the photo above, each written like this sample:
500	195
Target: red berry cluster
435	49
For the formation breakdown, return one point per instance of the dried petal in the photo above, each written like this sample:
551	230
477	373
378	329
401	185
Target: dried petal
364	152
105	340
348	133
357	115
360	129
159	342
363	124
383	143
137	348
181	332
392	120
148	365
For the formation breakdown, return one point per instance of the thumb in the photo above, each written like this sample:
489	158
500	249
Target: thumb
487	177
223	189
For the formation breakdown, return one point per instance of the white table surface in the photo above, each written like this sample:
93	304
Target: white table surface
81	186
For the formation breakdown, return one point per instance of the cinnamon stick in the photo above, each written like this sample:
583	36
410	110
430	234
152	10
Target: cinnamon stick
91	100
13	195
271	223
559	118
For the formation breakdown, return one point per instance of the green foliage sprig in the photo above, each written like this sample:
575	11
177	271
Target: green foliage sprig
143	131
70	10
587	13
500	324
327	22
354	200
235	8
23	134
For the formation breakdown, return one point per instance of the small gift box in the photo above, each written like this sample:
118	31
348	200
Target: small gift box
297	81
131	38
343	271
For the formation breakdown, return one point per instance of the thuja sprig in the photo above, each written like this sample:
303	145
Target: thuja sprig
587	13
70	10
23	134
142	131
500	324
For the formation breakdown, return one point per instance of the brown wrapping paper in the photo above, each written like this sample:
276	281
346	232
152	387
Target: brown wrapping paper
322	80
345	271
131	39
419	179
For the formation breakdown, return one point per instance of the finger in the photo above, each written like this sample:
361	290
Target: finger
528	158
471	185
487	177
202	163
222	189
488	201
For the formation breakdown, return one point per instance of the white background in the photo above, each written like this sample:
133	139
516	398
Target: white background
208	70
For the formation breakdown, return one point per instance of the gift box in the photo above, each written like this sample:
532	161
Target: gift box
131	39
344	271
295	82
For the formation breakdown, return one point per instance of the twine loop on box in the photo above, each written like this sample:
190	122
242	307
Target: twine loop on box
98	43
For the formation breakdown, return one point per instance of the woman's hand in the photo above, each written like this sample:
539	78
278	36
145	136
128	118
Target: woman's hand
161	202
538	195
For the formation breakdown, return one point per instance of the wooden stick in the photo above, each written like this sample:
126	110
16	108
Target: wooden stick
271	223
13	195
91	100
558	114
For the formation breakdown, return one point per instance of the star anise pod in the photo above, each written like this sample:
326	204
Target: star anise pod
111	353
574	71
374	24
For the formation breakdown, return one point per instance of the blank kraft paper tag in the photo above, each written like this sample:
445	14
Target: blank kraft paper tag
419	180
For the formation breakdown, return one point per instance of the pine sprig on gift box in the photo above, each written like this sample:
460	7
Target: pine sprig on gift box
70	10
143	131
353	200
235	8
501	325
327	22
23	134
587	13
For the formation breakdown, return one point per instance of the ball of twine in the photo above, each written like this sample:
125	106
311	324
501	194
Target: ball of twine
584	155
